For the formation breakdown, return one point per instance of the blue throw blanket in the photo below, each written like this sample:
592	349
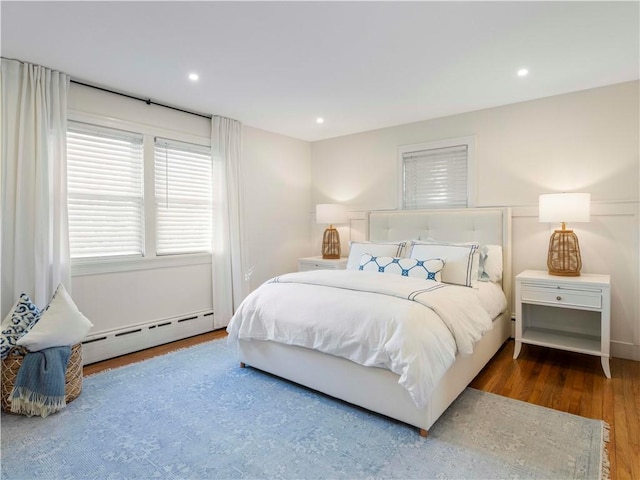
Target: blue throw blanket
39	388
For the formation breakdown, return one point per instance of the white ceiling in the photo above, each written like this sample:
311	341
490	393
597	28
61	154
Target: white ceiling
360	65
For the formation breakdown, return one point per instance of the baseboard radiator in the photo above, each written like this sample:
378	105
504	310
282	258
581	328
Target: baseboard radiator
113	343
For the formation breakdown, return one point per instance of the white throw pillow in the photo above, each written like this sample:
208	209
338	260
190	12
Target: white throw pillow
387	249
490	265
460	260
407	267
61	324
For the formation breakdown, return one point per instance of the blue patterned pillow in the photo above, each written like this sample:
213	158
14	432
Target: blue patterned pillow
356	249
407	267
24	315
461	259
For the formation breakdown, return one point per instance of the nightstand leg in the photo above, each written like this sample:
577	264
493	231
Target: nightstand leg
605	366
516	350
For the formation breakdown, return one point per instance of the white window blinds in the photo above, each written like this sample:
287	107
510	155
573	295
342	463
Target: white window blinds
435	177
105	193
183	197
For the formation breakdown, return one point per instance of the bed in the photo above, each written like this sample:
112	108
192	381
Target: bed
379	389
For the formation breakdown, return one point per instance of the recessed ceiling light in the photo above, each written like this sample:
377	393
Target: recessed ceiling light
523	72
193	76
319	120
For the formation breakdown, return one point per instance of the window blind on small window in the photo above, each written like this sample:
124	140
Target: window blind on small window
105	193
183	192
435	178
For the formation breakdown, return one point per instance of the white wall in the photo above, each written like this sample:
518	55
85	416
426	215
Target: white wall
276	177
583	141
276	186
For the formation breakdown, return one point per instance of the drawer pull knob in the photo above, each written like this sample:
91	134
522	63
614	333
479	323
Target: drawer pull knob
558	298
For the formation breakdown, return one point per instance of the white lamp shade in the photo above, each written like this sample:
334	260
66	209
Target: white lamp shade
565	207
331	213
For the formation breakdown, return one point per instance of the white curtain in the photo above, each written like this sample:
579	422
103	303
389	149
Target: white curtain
230	284
33	183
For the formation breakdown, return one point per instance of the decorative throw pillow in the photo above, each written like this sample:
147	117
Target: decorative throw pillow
17	323
461	260
61	324
387	249
407	267
490	264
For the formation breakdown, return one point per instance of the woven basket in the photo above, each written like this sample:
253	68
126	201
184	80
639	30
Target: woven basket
11	365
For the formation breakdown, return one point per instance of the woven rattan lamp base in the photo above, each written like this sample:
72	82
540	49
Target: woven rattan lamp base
331	244
564	258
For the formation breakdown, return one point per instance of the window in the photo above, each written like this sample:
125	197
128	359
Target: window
183	197
105	192
139	196
437	174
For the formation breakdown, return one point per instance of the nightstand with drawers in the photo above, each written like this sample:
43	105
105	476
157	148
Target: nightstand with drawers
319	263
567	313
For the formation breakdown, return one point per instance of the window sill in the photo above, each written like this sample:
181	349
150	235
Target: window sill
113	265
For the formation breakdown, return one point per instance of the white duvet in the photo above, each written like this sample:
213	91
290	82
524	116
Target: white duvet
410	326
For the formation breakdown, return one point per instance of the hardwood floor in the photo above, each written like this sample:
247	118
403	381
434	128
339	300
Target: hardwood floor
152	352
564	381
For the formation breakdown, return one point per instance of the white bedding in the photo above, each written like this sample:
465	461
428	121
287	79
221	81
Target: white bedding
491	298
376	320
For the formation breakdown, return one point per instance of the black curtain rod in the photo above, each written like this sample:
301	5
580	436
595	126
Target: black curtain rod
148	101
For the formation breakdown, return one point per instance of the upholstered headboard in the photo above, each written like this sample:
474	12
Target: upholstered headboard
490	226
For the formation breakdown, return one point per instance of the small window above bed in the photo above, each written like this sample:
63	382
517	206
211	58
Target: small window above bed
437	174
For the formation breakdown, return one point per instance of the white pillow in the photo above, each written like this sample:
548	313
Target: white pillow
461	260
407	267
388	249
406	248
490	265
61	324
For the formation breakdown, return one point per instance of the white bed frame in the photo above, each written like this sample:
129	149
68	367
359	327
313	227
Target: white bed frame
377	389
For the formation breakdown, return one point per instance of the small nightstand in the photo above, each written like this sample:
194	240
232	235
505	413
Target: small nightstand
567	313
319	263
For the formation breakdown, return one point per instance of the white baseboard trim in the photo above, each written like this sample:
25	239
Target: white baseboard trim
625	350
108	344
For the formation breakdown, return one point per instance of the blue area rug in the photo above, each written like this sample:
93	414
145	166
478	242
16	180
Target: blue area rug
195	414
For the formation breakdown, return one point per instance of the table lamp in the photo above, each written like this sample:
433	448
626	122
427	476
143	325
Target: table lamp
564	251
331	213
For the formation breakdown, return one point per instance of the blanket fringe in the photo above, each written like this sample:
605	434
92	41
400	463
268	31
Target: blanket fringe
26	402
606	464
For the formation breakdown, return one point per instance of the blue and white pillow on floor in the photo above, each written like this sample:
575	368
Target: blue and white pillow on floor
24	315
407	267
